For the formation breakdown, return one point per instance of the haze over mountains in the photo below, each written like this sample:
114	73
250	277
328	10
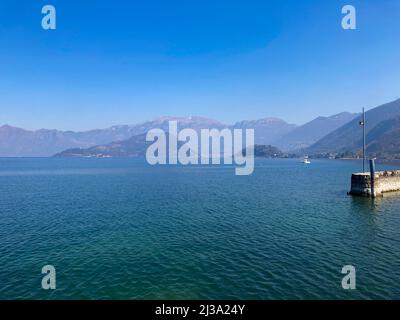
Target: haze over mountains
309	133
267	130
324	135
382	126
17	142
384	139
135	146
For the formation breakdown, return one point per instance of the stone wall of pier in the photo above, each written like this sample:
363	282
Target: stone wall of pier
385	181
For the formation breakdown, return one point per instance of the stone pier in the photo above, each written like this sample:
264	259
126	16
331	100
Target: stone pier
385	181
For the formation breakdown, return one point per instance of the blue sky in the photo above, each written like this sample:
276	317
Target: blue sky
122	62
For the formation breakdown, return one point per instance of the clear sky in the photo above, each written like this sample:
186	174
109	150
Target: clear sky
122	62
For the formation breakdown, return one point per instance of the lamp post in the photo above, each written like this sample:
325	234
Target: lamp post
362	123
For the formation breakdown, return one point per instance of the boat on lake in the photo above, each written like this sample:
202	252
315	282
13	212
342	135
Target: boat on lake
306	160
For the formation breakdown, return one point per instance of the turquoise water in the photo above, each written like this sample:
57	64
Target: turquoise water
120	229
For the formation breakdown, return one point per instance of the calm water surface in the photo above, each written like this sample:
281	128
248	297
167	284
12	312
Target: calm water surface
120	229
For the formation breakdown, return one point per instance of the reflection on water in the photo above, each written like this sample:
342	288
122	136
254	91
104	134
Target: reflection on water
366	205
375	205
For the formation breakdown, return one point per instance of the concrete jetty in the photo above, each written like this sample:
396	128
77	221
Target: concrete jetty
382	182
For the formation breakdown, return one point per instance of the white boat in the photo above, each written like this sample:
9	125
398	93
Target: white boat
306	160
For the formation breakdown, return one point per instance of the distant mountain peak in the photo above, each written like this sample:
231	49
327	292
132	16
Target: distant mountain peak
343	114
267	120
272	120
268	131
6	126
348	138
312	131
189	119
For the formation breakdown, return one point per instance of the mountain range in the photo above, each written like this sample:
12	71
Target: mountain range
135	146
387	139
309	133
267	130
382	133
17	142
340	133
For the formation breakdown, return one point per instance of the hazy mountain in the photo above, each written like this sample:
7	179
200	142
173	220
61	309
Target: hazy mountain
16	142
380	123
383	140
136	146
309	133
266	130
196	123
132	147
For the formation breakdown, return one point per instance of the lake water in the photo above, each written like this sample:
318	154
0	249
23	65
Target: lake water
121	229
